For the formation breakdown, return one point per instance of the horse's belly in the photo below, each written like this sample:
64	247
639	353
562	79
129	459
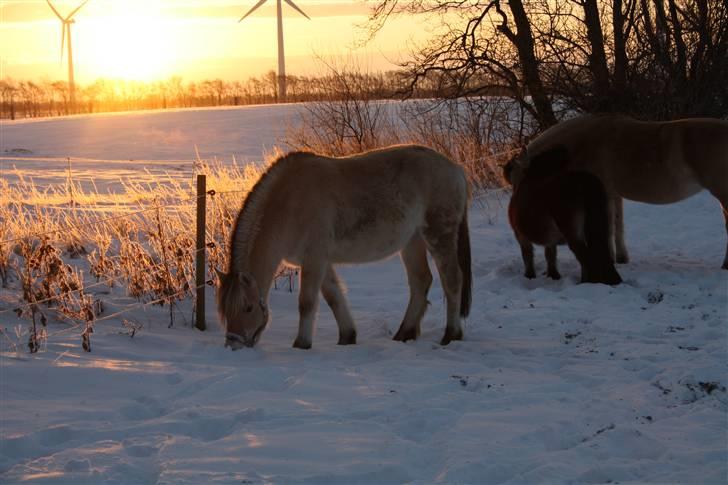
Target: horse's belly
544	233
364	251
664	191
377	244
658	182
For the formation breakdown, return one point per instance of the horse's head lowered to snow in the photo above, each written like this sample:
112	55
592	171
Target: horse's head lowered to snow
241	309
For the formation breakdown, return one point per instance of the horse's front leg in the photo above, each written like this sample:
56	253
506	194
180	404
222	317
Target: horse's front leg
312	276
617	224
334	296
527	255
725	216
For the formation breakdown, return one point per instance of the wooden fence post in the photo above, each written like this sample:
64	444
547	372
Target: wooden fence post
70	181
200	253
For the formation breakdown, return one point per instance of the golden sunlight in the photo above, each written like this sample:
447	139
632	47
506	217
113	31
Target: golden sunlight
131	40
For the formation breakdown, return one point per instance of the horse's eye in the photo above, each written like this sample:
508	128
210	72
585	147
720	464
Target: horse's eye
248	308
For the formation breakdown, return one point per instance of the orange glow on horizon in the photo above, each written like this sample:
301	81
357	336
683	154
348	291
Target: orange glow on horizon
149	40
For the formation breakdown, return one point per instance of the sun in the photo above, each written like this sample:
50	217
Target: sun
133	43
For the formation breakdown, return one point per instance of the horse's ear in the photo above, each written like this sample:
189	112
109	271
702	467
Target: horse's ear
549	163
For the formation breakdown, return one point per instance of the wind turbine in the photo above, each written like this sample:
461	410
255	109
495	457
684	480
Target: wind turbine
281	56
66	34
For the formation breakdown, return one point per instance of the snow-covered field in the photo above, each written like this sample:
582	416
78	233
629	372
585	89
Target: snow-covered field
555	381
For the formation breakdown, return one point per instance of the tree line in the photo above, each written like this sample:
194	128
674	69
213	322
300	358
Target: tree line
29	99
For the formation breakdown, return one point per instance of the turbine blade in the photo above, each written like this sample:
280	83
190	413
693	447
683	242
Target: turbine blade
76	9
289	2
54	9
255	7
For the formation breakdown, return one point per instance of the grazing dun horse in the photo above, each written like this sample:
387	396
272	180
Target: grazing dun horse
314	212
551	208
652	162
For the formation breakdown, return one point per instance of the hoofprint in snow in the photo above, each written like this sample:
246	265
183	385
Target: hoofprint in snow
554	382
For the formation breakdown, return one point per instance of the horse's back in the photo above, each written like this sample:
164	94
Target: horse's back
368	206
654	162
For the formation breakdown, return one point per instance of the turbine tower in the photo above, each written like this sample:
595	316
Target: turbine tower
66	34
281	56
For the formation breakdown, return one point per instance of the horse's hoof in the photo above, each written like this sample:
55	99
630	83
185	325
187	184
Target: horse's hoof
300	343
725	265
622	259
348	339
450	336
530	274
554	275
614	279
405	335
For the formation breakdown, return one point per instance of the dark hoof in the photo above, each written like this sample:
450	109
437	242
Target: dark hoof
725	265
450	336
614	279
348	339
530	274
554	275
403	335
622	259
301	344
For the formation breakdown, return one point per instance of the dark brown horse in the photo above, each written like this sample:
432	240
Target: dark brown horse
552	206
651	162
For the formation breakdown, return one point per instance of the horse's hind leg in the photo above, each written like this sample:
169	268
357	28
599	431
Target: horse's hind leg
419	277
617	225
552	270
724	205
334	296
718	186
721	193
312	276
443	247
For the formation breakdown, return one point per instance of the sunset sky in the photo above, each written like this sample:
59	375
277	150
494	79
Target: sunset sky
196	39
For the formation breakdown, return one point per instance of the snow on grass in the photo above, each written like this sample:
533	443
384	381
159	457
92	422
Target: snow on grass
554	382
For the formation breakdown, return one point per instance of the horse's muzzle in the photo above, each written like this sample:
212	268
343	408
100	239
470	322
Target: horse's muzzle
235	341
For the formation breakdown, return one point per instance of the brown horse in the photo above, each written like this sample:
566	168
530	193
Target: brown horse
550	206
652	162
314	212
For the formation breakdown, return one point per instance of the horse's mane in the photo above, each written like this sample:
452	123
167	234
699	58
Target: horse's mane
247	224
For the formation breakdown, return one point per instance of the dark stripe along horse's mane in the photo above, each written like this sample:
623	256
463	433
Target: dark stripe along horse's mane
247	223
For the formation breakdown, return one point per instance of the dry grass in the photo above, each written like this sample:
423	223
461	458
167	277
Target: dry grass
480	134
140	239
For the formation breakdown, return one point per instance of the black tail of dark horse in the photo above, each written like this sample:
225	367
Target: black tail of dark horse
597	232
465	266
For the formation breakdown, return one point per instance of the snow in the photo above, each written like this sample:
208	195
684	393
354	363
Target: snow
555	381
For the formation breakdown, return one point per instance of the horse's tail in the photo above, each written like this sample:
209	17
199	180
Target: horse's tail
597	231
464	262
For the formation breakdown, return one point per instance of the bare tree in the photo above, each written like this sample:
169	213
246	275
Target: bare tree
651	58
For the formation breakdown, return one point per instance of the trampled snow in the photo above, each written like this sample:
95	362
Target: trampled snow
555	382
